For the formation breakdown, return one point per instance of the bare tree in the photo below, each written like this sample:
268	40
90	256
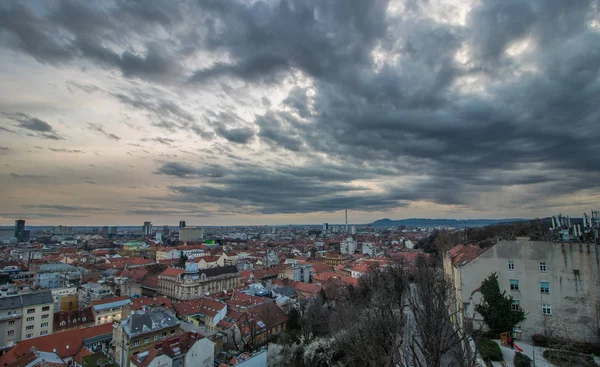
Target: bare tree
435	339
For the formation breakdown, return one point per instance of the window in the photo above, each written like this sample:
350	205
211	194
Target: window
30	311
164	335
545	287
30	327
546	309
30	319
45	316
543	267
146	340
156	337
172	331
44	324
46	308
514	284
518	329
11	333
136	343
11	323
45	332
28	336
516	305
511	265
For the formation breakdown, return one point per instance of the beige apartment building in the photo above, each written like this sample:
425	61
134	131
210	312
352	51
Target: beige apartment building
25	316
555	283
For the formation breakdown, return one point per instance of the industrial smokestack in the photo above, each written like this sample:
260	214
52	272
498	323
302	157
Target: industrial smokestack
346	219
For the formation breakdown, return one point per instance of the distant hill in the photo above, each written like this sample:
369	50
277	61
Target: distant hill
424	222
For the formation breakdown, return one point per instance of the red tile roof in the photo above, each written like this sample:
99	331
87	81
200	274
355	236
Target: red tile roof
206	306
138	303
67	343
172	272
463	254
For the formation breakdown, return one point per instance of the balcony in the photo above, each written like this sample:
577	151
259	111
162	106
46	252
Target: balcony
4	316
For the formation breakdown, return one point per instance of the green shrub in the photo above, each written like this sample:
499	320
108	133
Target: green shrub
562	358
541	340
489	350
521	360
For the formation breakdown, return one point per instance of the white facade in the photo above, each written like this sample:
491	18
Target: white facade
348	246
368	248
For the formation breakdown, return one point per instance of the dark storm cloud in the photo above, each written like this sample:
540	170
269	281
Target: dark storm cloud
465	144
287	189
374	95
71	30
100	129
242	135
186	171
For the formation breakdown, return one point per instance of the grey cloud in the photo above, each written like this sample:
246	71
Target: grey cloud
161	140
88	88
241	135
40	128
63	150
66	208
185	171
30	177
100	129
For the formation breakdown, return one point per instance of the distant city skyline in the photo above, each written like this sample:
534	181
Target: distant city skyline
288	111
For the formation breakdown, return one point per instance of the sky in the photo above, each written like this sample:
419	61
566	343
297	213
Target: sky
225	112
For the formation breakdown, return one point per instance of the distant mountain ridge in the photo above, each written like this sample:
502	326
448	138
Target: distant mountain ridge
425	222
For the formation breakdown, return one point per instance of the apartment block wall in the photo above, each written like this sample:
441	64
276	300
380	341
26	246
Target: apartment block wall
571	271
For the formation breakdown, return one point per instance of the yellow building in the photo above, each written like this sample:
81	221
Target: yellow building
109	309
140	330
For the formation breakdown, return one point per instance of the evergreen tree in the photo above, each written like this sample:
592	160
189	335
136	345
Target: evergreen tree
496	308
182	260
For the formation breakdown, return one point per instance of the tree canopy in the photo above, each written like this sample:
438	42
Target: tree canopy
496	309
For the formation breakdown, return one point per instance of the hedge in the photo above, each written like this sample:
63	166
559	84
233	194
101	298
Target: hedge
489	350
542	340
521	360
562	358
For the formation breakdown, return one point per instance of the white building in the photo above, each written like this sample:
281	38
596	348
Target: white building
348	246
368	248
555	283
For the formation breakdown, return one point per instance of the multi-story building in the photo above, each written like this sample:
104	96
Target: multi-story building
555	283
191	234
109	309
59	293
348	246
203	311
20	230
25	316
147	229
90	292
183	350
191	283
140	330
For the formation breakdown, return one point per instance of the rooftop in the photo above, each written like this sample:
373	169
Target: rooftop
141	322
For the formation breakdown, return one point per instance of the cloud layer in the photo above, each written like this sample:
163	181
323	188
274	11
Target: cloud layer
237	109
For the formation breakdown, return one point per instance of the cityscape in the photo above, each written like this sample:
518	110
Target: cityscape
299	183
